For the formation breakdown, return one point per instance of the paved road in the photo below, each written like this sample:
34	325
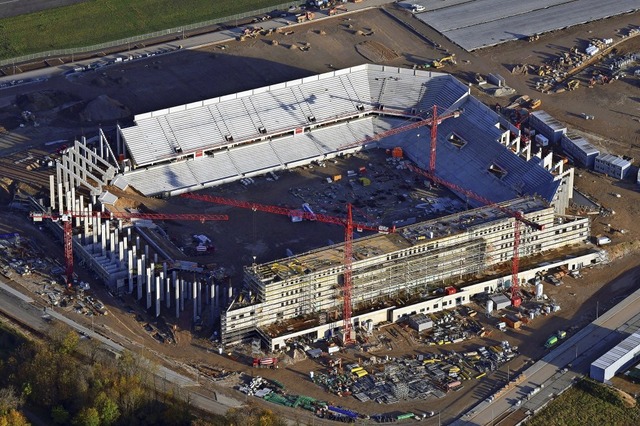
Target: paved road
22	7
576	354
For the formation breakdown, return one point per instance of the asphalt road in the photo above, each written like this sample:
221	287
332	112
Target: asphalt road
576	354
22	7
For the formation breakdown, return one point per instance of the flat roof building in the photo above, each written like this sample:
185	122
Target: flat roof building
619	357
580	150
547	125
612	165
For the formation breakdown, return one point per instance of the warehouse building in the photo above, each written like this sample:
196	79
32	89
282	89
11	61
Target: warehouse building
396	274
580	150
612	165
548	126
617	359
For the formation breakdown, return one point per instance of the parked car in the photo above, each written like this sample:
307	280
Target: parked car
417	8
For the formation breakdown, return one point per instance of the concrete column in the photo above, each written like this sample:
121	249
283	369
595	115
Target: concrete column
212	300
60	204
161	275
140	280
125	242
130	281
177	299
198	292
194	289
120	253
52	192
216	299
155	257
148	287
68	201
129	233
182	292
120	224
167	296
158	293
103	241
230	294
146	251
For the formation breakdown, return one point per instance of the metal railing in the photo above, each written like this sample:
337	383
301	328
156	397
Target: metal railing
136	39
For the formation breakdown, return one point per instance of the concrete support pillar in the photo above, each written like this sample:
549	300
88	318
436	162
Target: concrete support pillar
148	287
52	192
155	257
182	292
140	280
130	278
162	275
130	264
103	240
194	289
167	295
198	291
176	284
146	251
138	242
125	242
158	293
229	294
164	268
68	201
121	253
60	203
212	304
216	299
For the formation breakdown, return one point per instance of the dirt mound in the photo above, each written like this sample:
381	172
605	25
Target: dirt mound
44	100
376	52
104	108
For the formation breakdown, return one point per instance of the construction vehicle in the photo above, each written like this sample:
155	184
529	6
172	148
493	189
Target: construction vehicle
267	362
535	103
304	17
533	38
554	338
437	64
573	84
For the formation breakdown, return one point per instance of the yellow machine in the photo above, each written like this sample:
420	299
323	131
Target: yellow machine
442	62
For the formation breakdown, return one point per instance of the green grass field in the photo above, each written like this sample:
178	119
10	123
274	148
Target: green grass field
99	21
587	403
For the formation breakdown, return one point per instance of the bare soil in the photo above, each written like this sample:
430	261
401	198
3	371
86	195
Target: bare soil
188	76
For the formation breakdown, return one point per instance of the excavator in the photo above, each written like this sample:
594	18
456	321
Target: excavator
437	64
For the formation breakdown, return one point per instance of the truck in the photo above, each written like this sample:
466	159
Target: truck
267	362
602	240
554	338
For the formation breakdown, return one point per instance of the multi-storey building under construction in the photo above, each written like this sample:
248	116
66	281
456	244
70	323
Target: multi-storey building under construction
301	295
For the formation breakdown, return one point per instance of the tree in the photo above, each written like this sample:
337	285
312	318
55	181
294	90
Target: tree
9	400
13	418
59	415
108	409
87	417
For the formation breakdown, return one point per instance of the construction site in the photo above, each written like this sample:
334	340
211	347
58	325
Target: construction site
447	201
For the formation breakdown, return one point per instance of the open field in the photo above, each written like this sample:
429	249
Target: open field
587	403
100	21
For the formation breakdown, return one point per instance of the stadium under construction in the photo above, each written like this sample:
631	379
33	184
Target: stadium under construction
216	141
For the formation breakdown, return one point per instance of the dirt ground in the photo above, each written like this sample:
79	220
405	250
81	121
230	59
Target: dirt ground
188	76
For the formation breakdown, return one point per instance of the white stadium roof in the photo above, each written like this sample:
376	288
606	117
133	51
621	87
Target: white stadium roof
293	123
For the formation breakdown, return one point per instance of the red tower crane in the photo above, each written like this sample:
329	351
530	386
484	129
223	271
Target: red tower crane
67	217
432	121
516	299
348	224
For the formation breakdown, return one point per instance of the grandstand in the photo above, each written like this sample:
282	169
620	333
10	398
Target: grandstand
286	125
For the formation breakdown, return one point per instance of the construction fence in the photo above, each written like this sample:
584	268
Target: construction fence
132	41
